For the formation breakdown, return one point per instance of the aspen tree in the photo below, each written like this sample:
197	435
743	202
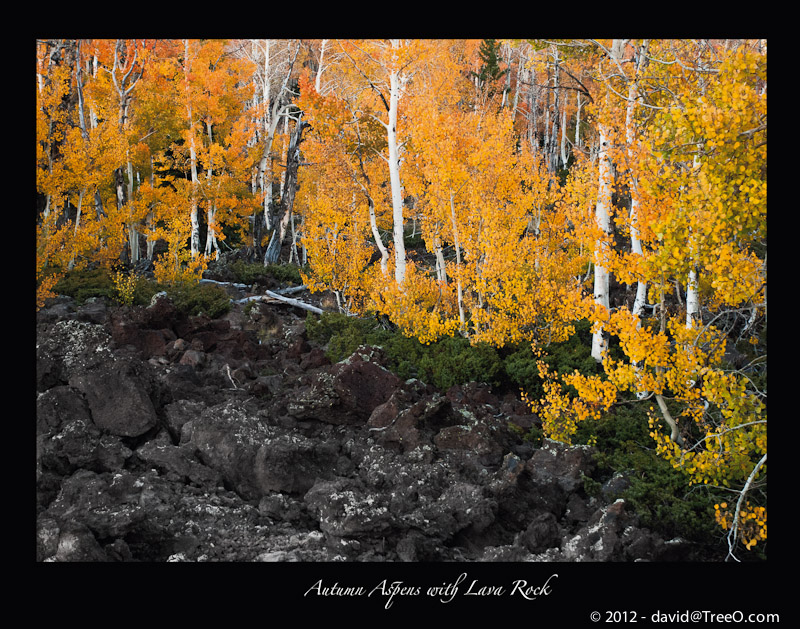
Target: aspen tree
190	136
603	216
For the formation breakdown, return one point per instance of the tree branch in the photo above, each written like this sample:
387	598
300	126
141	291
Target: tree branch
735	528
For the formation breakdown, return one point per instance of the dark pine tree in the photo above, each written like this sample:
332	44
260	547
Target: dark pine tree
490	72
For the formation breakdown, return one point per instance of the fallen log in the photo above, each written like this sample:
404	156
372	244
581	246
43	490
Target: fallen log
291	289
234	284
270	296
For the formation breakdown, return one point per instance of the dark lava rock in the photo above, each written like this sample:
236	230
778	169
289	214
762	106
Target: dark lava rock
169	438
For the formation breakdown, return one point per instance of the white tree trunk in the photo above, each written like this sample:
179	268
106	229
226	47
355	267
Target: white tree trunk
630	139
441	273
318	80
373	223
212	246
151	243
394	177
265	165
692	299
133	243
272	116
71	264
602	216
133	232
457	245
195	233
211	231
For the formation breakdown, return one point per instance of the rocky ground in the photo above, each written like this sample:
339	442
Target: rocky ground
163	437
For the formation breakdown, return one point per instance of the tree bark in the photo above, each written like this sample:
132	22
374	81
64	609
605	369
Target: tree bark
318	79
373	221
630	138
692	299
195	226
457	245
274	112
441	273
211	233
273	252
394	176
71	264
602	216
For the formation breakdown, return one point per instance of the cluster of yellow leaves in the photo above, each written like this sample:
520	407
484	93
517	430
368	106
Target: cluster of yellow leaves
176	265
125	286
179	268
752	522
727	452
422	307
562	412
706	173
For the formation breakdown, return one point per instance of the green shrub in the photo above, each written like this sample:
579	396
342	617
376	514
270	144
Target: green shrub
521	371
191	299
195	299
285	273
449	361
452	360
248	272
255	272
86	283
657	493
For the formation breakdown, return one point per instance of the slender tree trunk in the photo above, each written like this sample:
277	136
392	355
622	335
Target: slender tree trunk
457	245
265	165
195	233
636	245
373	220
441	273
98	200
516	87
79	90
553	157
294	254
133	231
318	79
195	226
373	223
150	242
692	299
71	264
273	252
394	177
273	113
630	138
602	216
564	138
211	229
692	295
124	85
